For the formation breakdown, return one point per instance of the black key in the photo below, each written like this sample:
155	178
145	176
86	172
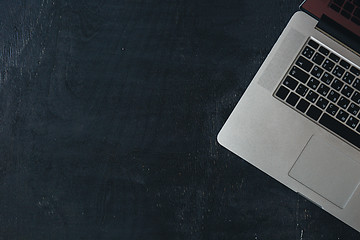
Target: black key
327	78
349	7
332	109
337	84
328	65
345	64
357	12
290	82
302	105
339	2
347	91
313	44
313	83
334	57
345	14
317	71
356	97
323	90
356	84
342	115
318	58
338	71
324	51
302	90
355	71
340	129
299	74
352	122
322	103
353	109
348	78
312	96
292	99
308	52
314	112
333	96
355	20
335	7
282	92
343	102
304	64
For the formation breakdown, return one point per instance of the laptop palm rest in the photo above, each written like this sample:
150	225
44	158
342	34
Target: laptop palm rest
326	170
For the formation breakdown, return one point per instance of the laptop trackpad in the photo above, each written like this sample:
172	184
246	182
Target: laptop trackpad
326	170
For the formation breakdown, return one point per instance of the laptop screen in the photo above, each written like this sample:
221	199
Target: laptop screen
344	12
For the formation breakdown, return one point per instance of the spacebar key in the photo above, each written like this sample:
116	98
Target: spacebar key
340	129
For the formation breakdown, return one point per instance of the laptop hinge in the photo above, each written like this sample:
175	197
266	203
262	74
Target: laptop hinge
340	34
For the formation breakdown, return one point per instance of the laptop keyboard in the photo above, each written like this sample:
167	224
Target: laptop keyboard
324	87
347	8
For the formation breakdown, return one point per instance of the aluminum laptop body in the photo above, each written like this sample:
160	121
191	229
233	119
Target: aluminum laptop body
298	121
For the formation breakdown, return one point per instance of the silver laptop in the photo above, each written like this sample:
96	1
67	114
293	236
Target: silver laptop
299	119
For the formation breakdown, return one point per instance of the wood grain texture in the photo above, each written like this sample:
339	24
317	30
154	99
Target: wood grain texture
109	112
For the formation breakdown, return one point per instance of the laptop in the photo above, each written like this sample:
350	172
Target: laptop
299	119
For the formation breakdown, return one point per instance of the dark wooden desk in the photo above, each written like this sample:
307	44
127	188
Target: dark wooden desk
109	113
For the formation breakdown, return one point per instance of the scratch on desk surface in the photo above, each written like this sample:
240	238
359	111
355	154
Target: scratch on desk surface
18	34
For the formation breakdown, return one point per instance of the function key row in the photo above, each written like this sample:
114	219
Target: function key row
309	51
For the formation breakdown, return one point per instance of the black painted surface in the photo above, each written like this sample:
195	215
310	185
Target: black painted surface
109	113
